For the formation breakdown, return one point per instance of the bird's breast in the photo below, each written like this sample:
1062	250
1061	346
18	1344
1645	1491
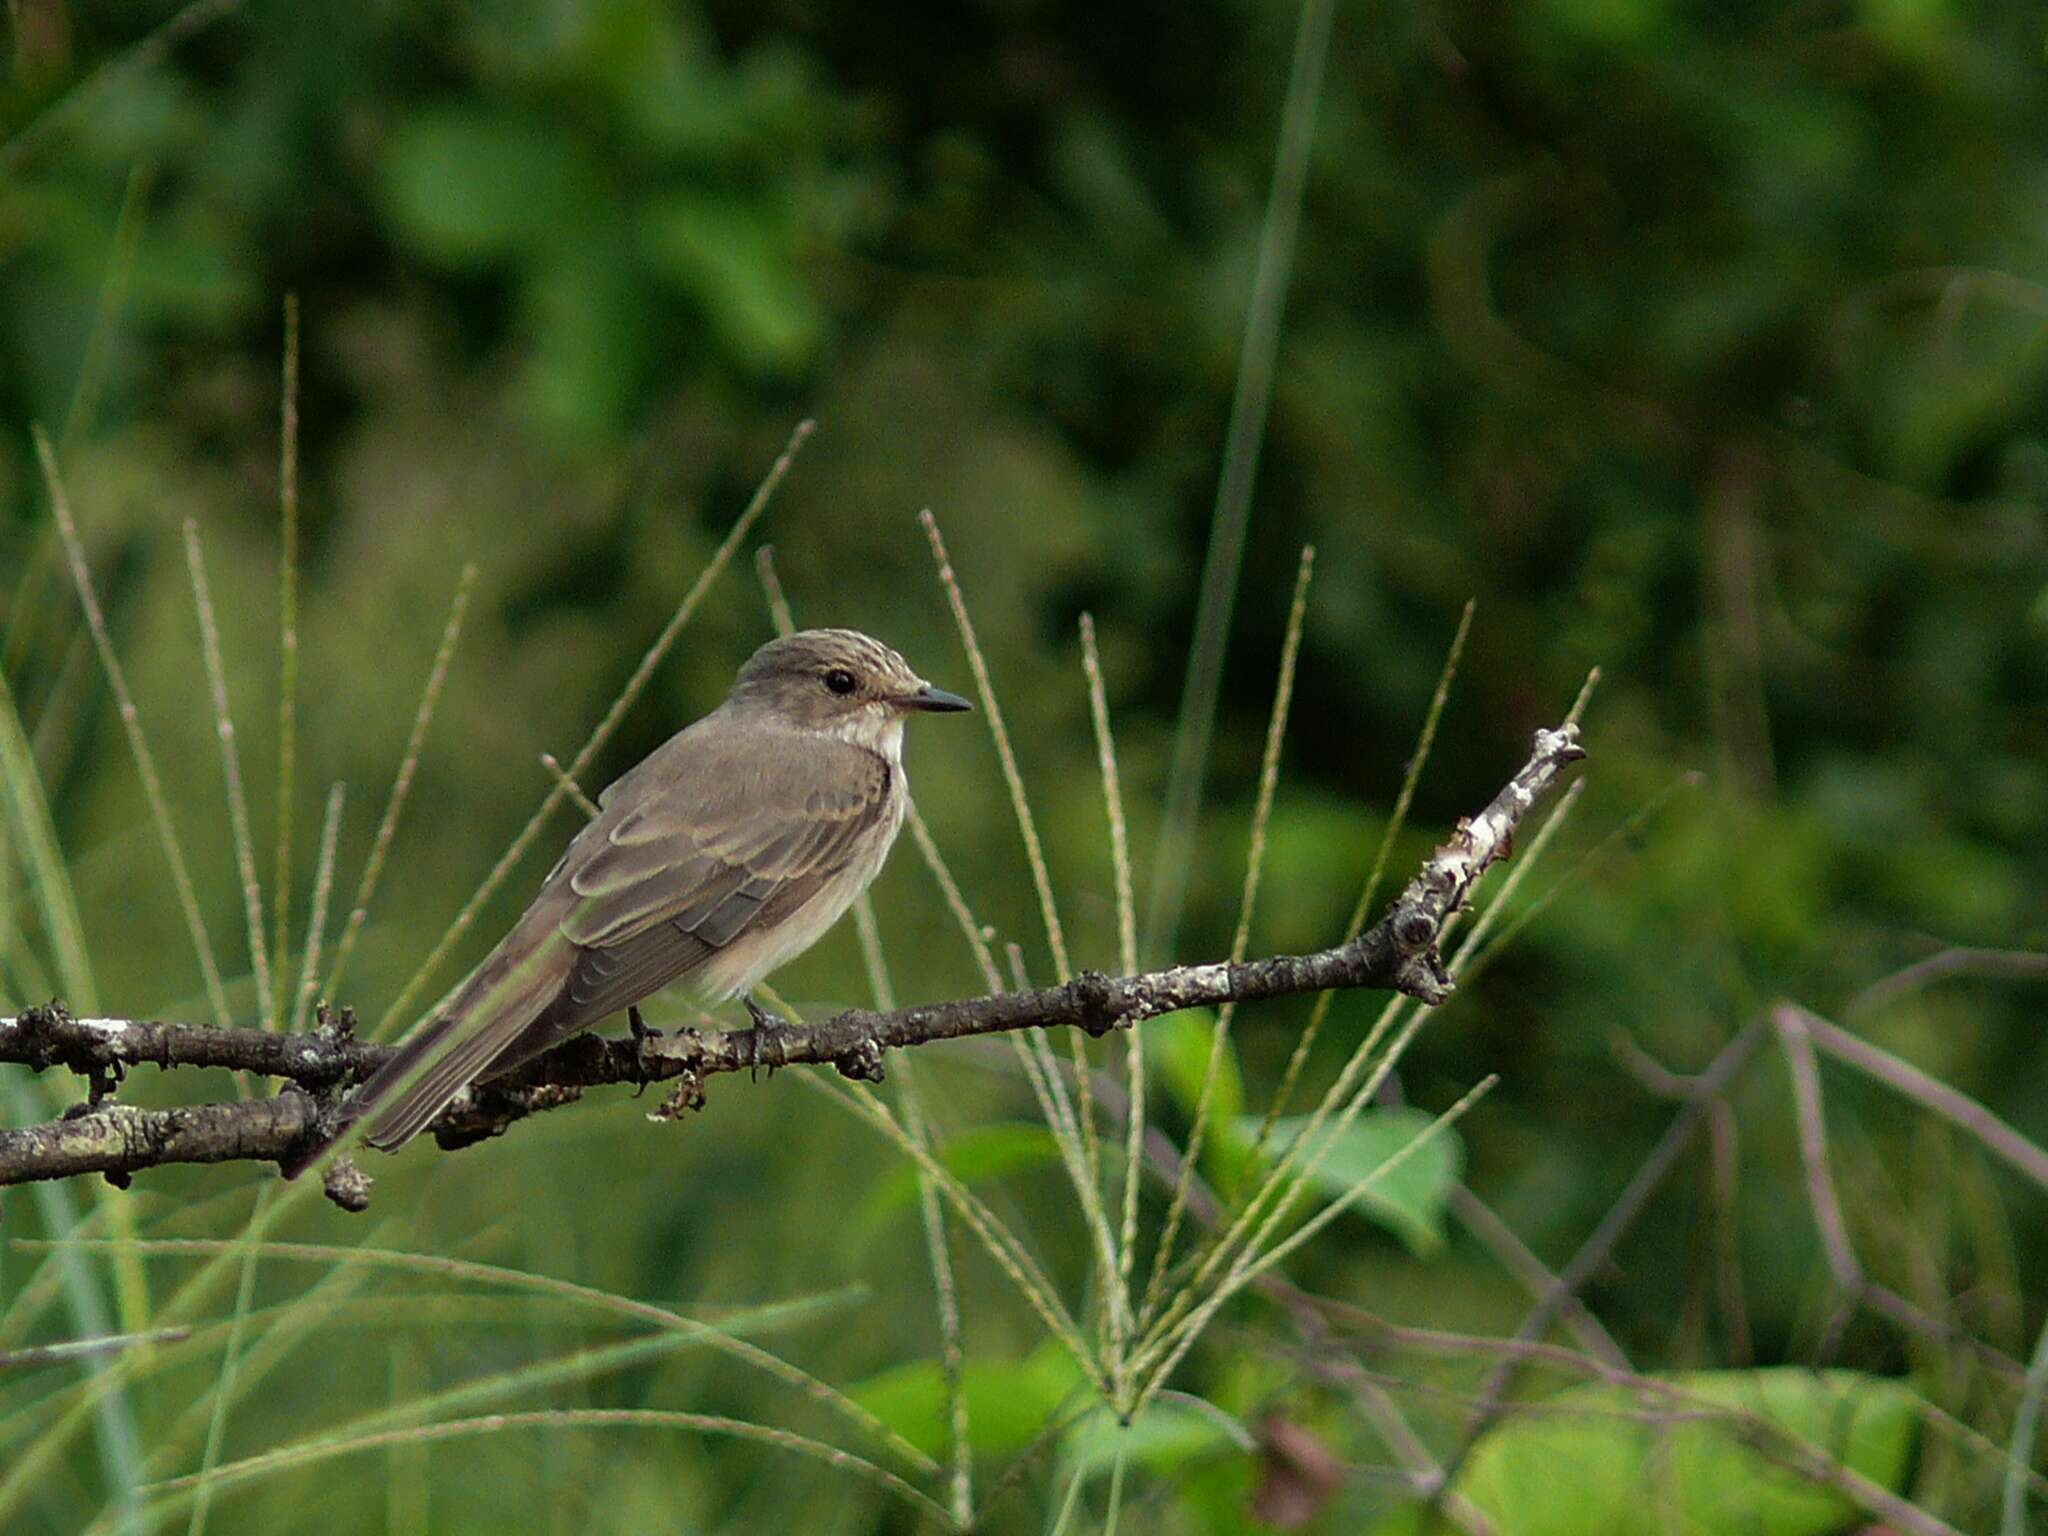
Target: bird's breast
762	950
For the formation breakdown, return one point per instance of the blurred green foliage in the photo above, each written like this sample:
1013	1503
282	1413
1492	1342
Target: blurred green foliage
1725	1479
1701	343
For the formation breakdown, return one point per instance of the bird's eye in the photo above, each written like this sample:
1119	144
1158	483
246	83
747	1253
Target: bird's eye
839	680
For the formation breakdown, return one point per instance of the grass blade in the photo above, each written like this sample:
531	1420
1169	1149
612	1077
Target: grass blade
316	920
113	294
408	765
131	721
312	1453
1262	812
267	1001
146	51
709	1335
1127	955
1396	820
1242	440
224	1385
1087	1175
34	838
287	618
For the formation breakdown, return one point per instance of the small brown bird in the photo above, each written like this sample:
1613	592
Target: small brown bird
728	851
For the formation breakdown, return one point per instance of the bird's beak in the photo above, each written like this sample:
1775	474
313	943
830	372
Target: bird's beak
935	701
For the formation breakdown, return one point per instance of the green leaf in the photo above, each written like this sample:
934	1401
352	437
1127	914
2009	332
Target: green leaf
1409	1199
468	187
986	1152
1167	1435
1688	1473
1008	1402
1177	1048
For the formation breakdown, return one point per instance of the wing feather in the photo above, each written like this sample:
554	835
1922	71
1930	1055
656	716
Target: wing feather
716	832
704	845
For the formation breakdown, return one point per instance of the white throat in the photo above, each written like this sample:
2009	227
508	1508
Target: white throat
878	728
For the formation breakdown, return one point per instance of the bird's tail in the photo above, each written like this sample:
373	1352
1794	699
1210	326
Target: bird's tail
490	1024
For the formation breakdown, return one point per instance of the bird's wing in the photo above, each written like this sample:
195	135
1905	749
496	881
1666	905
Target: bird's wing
691	845
706	835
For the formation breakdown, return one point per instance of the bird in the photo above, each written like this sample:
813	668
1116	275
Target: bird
725	853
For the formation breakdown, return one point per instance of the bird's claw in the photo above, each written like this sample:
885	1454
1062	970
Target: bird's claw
643	1032
768	1030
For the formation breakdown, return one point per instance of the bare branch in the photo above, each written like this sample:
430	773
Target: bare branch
1399	953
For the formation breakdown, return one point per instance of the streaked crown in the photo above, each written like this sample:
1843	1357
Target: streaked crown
834	680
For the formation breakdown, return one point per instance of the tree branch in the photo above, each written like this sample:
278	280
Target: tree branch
1399	953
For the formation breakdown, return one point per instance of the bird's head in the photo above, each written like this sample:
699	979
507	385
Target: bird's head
837	682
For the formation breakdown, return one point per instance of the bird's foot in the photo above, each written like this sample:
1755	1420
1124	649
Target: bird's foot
643	1032
764	1040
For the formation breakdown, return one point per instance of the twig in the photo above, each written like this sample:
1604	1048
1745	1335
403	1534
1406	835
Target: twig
2003	964
1959	1109
1797	1032
1620	1217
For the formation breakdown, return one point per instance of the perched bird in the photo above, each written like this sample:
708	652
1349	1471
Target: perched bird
726	852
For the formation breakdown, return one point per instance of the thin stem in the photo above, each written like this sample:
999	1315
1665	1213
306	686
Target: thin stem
1087	1177
316	921
408	765
1298	1058
2020	1455
971	928
113	293
1243	436
1116	1481
1127	954
571	1418
220	1252
1112	800
131	722
268	1004
771	590
224	1386
287	618
569	786
2021	1153
35	847
1069	1502
1269	779
1020	803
